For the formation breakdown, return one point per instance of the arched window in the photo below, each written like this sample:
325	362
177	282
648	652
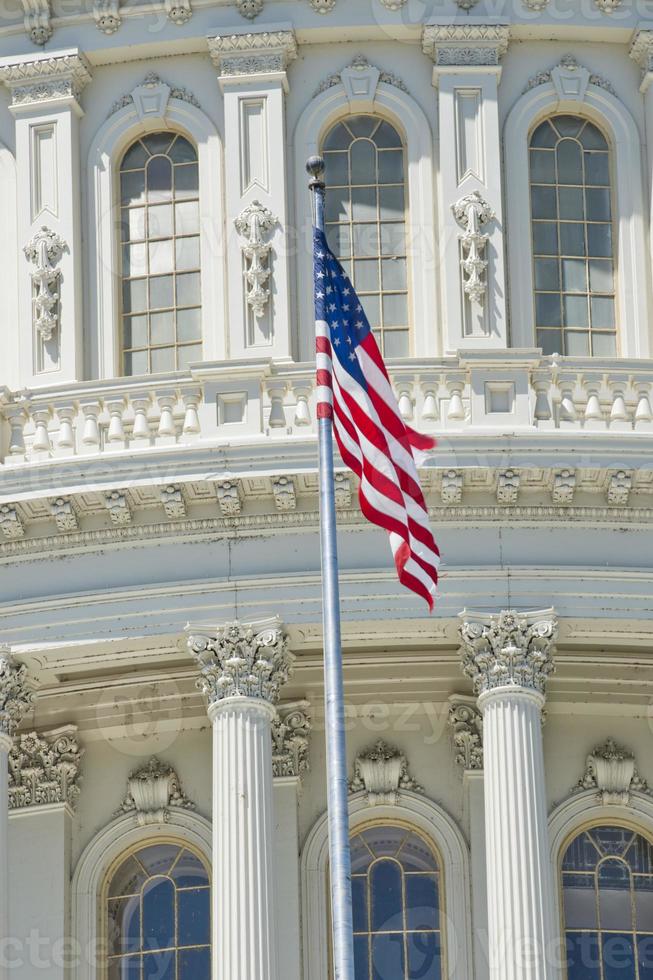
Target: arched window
158	914
366	222
396	888
572	229
161	328
607	882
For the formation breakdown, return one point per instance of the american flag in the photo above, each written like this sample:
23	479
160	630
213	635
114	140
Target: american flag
374	441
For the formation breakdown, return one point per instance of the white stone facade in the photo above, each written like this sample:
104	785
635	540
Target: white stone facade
133	504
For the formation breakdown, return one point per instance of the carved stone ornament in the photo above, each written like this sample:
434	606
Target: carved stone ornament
15	696
37	20
641	50
254	223
621	483
174	504
611	770
45	768
564	487
393	4
265	52
382	772
472	212
249	8
511	649
64	512
570	79
347	77
452	487
179	11
508	487
322	6
285	498
44	251
151	792
107	15
239	660
59	77
290	735
230	497
342	491
150	98
466	722
11	524
466	44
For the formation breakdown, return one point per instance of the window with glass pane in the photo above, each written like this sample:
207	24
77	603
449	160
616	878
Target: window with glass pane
573	246
396	903
607	881
158	913
366	222
160	224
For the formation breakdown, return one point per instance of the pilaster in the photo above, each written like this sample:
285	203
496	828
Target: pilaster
241	671
252	74
467	70
641	51
45	93
509	658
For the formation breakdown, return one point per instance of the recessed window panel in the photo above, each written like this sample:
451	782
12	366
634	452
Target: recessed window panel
366	222
572	237
160	253
396	884
158	916
607	878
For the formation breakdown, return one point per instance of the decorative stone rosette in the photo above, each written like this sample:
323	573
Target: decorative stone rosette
15	697
238	660
510	649
45	768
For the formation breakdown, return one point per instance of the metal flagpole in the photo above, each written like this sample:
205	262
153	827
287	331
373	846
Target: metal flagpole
336	751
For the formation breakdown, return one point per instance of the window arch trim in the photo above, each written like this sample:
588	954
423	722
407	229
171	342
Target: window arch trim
100	859
632	267
429	821
401	110
102	310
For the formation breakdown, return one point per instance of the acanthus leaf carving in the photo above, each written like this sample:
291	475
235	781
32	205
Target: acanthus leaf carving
230	497
15	697
11	524
466	722
291	730
238	660
151	791
254	223
44	768
382	771
44	251
511	649
472	213
612	771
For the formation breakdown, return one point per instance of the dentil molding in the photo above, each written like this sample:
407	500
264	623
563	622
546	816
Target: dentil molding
511	649
44	768
466	723
382	771
241	660
291	731
612	772
151	791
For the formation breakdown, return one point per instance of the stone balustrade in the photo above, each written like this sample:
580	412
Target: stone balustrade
510	390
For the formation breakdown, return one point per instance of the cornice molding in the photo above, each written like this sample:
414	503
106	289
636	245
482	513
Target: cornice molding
466	45
241	55
46	79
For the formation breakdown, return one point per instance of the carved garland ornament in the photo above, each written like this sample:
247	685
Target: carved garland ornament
44	251
151	791
611	770
254	223
382	772
242	661
44	768
510	650
472	212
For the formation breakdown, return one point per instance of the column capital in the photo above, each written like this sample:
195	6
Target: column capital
466	722
46	80
641	51
240	660
291	731
510	650
465	46
15	695
253	56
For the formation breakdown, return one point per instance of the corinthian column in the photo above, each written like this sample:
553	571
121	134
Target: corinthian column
509	658
242	669
15	699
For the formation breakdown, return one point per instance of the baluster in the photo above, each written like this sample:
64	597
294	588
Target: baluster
116	430
567	407
91	433
66	438
643	413
430	410
41	443
405	401
302	408
17	418
277	417
456	411
166	429
594	418
141	431
191	401
619	417
542	411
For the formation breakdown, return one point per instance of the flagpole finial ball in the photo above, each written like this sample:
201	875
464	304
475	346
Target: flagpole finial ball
315	166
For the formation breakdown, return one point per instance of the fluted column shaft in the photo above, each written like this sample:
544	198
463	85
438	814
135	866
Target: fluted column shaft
241	672
509	658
